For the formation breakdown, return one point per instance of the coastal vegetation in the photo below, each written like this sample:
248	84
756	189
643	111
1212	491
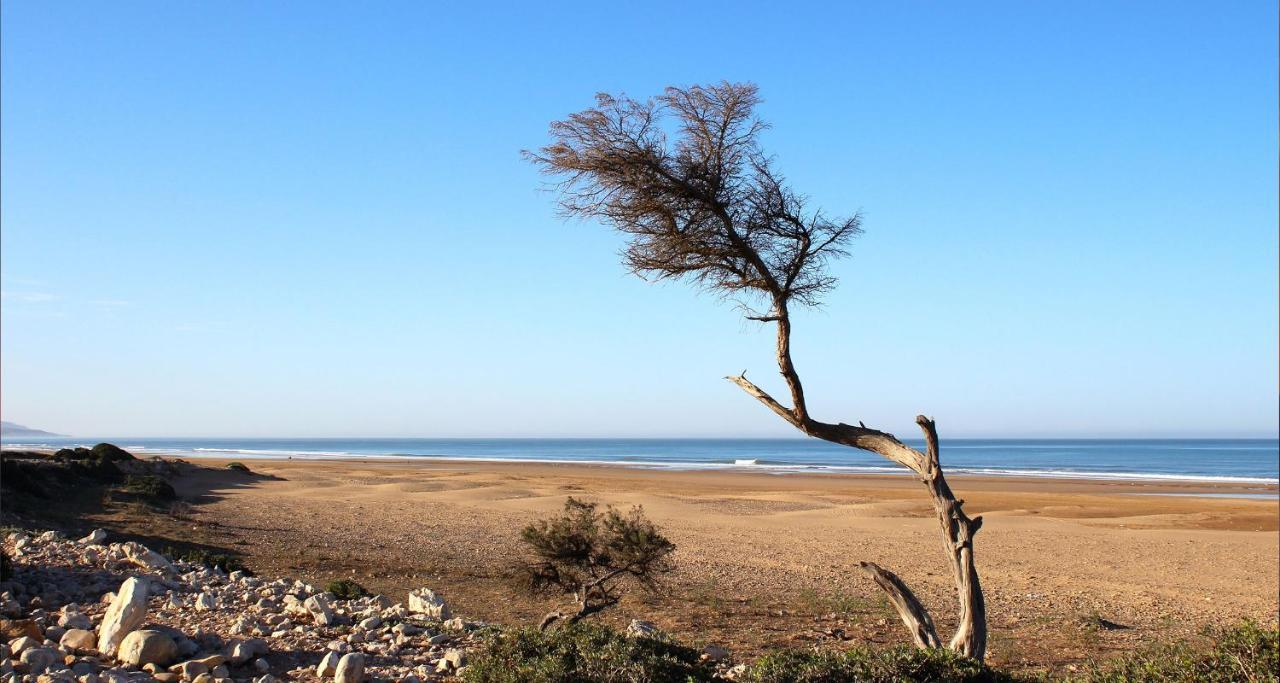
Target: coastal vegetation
591	555
705	204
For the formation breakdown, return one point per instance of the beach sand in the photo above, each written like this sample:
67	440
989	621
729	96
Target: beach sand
766	560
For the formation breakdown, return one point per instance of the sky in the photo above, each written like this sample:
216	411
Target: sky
312	219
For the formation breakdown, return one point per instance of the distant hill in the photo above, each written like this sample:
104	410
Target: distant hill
12	429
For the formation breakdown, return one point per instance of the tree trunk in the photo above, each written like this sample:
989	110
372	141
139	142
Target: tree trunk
958	529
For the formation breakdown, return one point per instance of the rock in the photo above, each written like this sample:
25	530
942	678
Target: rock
261	665
73	619
736	671
166	677
211	661
425	601
203	678
243	651
17	645
456	623
221	671
205	602
456	658
126	613
641	629
95	537
145	557
189	669
715	653
40	658
318	607
79	641
17	628
370	623
147	647
350	668
328	665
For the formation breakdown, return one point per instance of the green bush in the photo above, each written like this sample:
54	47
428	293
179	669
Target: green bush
1245	652
582	653
149	488
902	663
239	467
225	562
346	589
107	452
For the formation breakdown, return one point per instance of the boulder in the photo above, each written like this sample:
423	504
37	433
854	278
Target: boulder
21	643
244	650
79	641
145	557
318	606
425	601
715	653
205	602
95	537
456	658
40	658
350	668
127	612
147	647
328	665
189	669
641	629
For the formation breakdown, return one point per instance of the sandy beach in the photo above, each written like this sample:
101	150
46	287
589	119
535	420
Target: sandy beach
1073	570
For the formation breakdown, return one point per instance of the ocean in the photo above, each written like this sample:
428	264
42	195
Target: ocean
1208	460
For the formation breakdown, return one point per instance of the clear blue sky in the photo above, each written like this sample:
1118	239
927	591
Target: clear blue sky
312	219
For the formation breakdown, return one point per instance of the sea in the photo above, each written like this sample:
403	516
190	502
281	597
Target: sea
1255	461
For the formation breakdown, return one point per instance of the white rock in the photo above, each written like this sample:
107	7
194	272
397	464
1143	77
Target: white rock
78	640
147	647
371	623
350	668
95	537
641	629
145	557
205	602
329	665
318	607
127	612
456	658
425	601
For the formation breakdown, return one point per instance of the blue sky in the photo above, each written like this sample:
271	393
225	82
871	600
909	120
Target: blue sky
312	219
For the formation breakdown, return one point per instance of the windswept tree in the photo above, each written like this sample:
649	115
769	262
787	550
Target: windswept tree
591	555
684	177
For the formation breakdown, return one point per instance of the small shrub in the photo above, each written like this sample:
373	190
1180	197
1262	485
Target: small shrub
589	554
239	467
582	653
1245	652
107	452
149	488
346	589
225	562
902	663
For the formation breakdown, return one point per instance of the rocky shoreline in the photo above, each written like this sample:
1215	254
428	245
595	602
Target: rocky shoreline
89	611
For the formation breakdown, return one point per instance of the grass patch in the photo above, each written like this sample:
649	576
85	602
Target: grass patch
148	489
1245	652
346	589
225	562
583	653
902	663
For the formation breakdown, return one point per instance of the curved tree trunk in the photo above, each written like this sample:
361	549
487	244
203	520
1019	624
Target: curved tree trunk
958	529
